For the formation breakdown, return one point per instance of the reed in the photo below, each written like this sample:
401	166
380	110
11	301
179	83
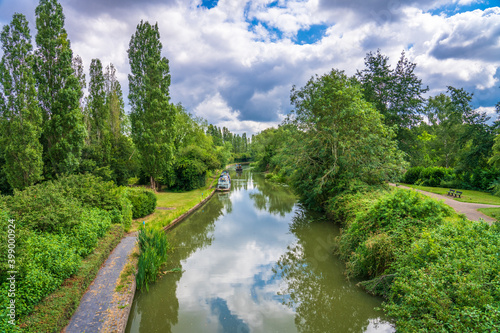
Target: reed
153	247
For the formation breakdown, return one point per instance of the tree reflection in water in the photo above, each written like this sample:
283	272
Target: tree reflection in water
163	314
314	286
273	198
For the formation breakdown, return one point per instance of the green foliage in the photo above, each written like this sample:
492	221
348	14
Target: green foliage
370	243
340	139
154	247
45	207
59	92
448	280
20	115
191	167
93	225
143	201
151	115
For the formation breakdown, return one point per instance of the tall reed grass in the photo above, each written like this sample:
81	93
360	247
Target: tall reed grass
153	247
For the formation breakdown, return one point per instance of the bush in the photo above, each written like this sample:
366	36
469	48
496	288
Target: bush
143	202
449	280
431	176
412	175
370	242
94	224
153	247
44	207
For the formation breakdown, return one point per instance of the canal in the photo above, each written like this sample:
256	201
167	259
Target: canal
254	260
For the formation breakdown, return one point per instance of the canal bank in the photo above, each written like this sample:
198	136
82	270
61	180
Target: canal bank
103	308
255	260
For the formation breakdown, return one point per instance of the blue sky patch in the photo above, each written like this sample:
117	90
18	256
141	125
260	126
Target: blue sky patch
312	35
453	9
209	4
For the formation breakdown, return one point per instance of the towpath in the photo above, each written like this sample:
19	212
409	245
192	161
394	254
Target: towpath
89	317
470	210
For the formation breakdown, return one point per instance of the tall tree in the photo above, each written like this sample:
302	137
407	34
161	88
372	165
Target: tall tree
114	102
59	92
397	94
20	114
341	140
99	114
152	116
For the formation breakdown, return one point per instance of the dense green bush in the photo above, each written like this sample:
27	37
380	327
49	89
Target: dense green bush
153	246
94	224
56	224
90	190
449	280
143	201
369	244
431	176
412	175
44	207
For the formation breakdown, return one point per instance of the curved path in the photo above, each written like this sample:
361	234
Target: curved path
466	208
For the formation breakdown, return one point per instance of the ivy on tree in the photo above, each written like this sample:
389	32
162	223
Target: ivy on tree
20	115
151	115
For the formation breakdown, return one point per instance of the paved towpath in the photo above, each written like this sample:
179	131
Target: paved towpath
89	317
470	210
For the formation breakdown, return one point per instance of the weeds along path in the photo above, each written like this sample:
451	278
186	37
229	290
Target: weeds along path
466	208
96	301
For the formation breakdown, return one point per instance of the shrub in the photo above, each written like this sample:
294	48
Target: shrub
44	207
389	225
153	247
412	175
94	223
143	202
90	190
449	280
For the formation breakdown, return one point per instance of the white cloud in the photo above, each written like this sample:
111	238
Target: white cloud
239	75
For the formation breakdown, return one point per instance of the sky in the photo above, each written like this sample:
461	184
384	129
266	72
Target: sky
234	62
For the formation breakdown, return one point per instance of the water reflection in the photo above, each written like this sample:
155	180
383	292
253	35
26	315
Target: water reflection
252	262
321	298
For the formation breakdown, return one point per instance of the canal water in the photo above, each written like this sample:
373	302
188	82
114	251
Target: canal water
254	260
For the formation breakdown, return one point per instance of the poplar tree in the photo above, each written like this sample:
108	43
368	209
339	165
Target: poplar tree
114	102
59	92
151	115
20	115
99	115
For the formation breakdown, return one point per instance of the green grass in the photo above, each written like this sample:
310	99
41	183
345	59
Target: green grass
180	202
54	312
491	212
467	195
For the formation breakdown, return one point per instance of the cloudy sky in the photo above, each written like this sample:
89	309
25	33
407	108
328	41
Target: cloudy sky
233	62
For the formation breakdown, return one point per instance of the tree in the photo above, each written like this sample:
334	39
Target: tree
397	94
341	141
59	92
151	114
20	115
99	114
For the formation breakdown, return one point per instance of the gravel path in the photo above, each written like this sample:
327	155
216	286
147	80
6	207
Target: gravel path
466	208
94	304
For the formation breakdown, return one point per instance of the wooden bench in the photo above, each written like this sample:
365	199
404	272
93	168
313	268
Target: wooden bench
458	194
452	192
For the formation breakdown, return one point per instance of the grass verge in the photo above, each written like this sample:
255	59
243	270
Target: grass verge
491	212
170	205
467	195
55	311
